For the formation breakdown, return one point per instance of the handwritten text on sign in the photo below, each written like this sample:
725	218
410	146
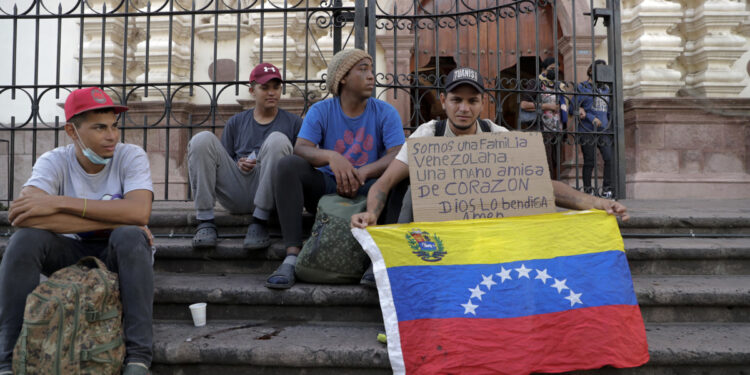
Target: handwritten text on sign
480	176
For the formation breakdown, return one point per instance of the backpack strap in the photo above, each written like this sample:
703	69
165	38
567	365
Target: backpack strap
440	128
485	126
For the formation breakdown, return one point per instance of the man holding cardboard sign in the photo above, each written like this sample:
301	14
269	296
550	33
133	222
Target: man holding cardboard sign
447	178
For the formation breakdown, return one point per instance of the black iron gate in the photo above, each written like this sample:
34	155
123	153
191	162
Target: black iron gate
182	66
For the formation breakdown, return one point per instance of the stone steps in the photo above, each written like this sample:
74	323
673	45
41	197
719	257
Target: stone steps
646	256
690	262
243	296
279	347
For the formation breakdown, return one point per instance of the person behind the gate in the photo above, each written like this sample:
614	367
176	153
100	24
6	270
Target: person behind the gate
238	169
91	197
463	101
345	143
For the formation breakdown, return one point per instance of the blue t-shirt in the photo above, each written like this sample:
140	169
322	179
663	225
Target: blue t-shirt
362	140
595	106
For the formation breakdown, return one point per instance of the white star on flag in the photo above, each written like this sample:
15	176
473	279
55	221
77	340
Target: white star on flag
476	292
574	298
542	275
560	285
469	307
487	281
504	275
523	271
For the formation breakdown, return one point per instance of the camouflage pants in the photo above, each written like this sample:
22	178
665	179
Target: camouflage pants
31	252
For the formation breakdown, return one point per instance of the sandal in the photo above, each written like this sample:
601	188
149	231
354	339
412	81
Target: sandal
368	278
256	238
205	236
282	278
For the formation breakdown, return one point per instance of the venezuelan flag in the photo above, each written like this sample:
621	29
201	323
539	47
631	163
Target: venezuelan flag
543	293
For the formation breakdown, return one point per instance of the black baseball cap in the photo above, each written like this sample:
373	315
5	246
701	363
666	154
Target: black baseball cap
460	76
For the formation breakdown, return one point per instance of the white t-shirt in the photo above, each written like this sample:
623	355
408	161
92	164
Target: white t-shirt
428	130
58	172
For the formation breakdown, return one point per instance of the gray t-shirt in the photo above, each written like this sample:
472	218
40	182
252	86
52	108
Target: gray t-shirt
58	172
243	135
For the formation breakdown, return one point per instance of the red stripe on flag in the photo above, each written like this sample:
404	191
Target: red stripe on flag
579	339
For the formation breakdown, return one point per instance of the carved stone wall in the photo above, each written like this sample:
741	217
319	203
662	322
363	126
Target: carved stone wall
684	45
687	148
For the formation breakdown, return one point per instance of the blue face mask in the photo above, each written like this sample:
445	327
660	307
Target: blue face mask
90	154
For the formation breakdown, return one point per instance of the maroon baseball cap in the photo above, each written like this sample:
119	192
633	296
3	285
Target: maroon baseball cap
265	72
83	100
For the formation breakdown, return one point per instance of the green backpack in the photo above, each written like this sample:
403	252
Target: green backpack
332	254
72	324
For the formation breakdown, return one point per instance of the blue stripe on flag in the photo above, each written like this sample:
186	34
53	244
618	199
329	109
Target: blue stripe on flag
486	291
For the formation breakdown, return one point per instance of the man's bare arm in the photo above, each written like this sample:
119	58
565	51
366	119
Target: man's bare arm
378	194
374	170
35	208
315	156
567	197
347	178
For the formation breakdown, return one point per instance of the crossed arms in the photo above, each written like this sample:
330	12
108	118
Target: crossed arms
35	208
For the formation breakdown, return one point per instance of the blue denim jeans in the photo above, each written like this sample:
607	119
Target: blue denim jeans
31	252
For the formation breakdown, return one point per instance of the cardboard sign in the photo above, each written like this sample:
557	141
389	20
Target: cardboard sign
488	175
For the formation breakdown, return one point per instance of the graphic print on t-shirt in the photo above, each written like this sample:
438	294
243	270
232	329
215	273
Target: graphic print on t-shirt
354	147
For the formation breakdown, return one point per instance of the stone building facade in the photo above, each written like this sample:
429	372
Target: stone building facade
687	98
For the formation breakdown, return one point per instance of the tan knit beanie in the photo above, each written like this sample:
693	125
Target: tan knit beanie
340	64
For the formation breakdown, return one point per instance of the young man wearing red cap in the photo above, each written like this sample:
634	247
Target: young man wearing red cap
345	143
92	197
463	102
238	169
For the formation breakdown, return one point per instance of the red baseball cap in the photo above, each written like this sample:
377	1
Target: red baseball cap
265	72
83	100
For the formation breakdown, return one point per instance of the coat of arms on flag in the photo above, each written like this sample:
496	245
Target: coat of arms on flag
543	293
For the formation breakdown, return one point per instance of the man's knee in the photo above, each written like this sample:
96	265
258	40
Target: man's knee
277	140
27	243
291	163
202	141
130	243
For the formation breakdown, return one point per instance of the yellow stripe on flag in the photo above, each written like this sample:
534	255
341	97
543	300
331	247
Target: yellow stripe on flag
490	241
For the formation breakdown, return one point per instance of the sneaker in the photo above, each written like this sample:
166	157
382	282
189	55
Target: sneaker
607	194
257	237
136	368
588	190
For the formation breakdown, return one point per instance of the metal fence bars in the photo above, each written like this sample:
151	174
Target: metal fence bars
182	67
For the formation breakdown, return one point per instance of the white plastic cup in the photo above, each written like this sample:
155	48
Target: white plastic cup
198	311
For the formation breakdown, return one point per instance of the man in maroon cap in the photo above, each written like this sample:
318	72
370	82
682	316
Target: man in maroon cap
91	197
237	170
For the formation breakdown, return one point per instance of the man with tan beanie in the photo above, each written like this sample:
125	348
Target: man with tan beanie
345	143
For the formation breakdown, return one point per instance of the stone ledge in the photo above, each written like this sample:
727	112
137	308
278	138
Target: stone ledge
249	289
317	346
705	290
263	343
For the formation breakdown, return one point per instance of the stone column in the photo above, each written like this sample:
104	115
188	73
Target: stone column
273	35
159	55
397	61
651	43
106	67
712	47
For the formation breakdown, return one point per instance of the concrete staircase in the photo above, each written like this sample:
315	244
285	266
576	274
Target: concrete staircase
690	263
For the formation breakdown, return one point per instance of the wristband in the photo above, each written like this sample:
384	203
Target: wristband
83	213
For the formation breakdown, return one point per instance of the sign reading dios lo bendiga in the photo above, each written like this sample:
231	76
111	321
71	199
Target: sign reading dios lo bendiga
488	175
